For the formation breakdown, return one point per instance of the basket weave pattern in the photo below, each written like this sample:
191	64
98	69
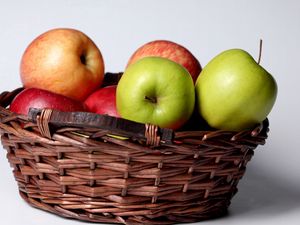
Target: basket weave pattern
100	178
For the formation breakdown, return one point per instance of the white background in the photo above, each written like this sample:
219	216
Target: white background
270	191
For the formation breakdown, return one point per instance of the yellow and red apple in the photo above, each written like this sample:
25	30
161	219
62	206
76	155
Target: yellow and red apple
63	61
170	50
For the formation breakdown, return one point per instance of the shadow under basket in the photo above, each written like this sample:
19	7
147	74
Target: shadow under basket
103	169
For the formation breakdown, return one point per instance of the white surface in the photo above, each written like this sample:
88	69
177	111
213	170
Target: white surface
270	191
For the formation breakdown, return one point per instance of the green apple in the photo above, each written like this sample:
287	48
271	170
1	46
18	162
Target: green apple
158	91
234	92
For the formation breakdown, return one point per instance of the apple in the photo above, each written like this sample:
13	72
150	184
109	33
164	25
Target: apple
234	92
158	91
103	101
169	50
63	61
38	98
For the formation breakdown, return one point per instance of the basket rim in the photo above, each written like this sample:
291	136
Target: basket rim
173	136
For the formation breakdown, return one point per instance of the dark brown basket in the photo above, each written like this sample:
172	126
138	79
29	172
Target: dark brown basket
74	165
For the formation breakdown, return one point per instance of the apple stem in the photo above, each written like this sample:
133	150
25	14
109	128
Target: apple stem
151	99
83	59
260	50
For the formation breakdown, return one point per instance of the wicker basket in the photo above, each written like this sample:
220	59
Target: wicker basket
78	167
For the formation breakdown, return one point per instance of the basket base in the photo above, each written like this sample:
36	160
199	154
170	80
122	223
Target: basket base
218	210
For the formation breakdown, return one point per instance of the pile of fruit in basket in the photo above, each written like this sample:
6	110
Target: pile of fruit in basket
162	84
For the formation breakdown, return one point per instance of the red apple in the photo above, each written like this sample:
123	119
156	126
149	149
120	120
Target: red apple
169	50
37	98
103	101
63	61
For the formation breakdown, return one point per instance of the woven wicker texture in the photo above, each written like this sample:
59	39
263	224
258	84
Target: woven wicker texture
87	174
